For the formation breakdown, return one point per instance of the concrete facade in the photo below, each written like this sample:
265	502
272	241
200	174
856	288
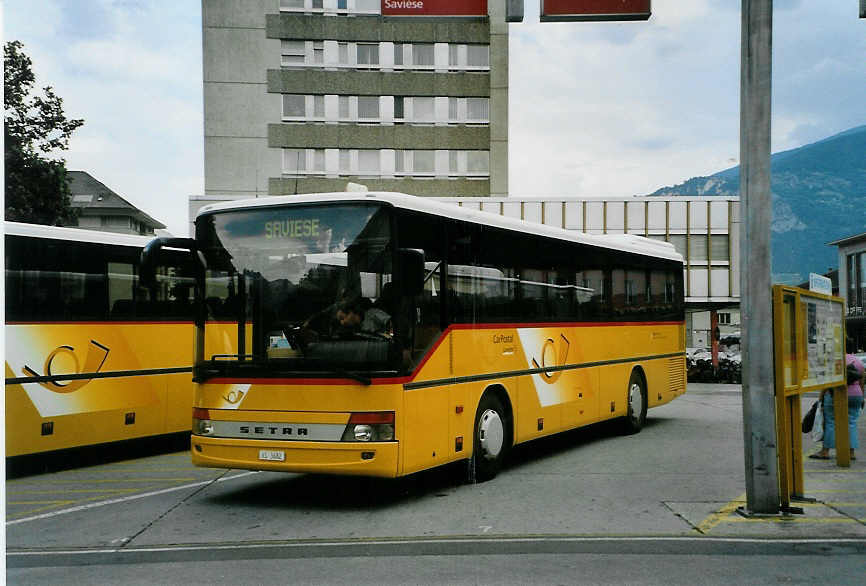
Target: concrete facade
265	59
852	285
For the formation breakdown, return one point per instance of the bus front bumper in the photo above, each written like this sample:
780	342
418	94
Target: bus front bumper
349	458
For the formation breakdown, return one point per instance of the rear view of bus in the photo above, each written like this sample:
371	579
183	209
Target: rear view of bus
383	334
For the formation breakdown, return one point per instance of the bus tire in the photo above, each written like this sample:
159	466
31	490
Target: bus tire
491	439
636	401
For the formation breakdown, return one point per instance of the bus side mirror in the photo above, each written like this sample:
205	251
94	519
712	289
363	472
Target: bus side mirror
150	256
411	264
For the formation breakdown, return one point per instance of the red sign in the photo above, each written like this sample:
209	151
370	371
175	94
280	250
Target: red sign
434	7
558	10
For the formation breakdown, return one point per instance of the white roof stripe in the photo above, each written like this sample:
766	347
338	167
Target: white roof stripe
624	242
74	234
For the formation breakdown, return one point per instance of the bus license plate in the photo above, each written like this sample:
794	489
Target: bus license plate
272	455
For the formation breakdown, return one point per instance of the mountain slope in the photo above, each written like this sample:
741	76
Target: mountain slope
819	195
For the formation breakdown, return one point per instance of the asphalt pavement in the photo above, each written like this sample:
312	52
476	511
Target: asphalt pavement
675	488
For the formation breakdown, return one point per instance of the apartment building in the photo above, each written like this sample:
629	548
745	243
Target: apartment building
305	96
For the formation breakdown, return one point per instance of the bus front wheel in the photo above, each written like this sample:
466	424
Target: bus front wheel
492	438
636	399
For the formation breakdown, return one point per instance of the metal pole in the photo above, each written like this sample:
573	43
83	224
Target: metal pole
759	416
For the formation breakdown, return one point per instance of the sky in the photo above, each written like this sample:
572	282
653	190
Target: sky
596	109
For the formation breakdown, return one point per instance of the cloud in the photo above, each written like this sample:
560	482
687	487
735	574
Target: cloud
132	71
594	111
595	108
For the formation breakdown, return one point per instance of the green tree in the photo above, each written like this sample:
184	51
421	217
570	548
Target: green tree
35	129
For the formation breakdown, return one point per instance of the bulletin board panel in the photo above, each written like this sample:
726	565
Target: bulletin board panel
809	336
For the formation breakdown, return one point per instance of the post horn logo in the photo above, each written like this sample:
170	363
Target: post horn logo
234	397
551	377
93	362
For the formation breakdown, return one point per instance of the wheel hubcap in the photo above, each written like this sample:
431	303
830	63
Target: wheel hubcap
635	400
491	434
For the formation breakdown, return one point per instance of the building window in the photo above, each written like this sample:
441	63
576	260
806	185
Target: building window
345	161
423	110
719	247
294	106
477	109
319	160
343	53
423	55
292	4
399	164
343	107
368	107
398	53
318	53
725	319
478	55
342	5
398	107
368	162
679	242
368	54
452	55
861	299
453	111
317	4
698	247
365	5
453	166
478	162
424	163
293	53
294	160
319	106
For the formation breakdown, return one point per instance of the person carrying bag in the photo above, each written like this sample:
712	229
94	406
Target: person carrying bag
855	378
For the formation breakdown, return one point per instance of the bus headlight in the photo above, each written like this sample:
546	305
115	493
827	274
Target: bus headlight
363	433
201	423
370	427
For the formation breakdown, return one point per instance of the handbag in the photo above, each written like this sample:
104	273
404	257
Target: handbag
809	419
853	374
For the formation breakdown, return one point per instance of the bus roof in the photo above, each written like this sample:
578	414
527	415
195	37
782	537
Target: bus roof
74	234
625	242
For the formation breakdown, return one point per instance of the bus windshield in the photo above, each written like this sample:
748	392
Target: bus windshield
310	288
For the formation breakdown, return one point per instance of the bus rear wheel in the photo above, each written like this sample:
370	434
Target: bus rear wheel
636	399
492	438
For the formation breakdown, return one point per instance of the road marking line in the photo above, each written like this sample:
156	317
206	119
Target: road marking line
792	519
125	499
74	490
45	508
114	480
707	524
66	502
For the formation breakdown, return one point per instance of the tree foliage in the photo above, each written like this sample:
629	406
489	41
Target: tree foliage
34	129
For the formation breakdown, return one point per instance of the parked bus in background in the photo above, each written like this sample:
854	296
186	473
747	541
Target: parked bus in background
496	332
75	308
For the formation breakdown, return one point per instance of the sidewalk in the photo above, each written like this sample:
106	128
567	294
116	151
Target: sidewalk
838	511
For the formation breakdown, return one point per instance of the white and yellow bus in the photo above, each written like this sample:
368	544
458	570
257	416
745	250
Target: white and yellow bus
92	355
499	332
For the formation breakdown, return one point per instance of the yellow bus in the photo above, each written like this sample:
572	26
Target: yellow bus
382	334
92	356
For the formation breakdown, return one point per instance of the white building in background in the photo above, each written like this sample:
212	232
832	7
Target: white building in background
852	285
